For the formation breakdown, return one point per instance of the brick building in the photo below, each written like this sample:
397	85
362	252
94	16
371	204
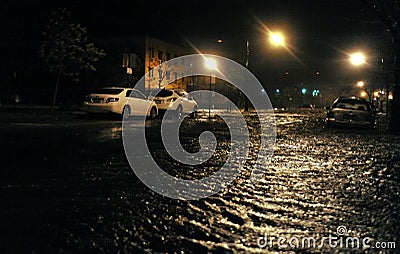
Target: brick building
158	52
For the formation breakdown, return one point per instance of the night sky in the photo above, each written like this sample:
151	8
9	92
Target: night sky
319	32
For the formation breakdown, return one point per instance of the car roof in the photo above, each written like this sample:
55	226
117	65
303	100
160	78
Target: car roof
351	98
116	87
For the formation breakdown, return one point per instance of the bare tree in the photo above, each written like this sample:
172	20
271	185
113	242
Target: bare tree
388	12
65	48
162	73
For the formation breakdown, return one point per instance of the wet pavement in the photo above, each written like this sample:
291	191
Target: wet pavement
66	186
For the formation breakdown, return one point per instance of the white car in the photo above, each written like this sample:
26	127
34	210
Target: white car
120	100
177	100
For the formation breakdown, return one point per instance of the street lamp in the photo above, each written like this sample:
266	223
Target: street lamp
277	39
357	59
363	94
211	64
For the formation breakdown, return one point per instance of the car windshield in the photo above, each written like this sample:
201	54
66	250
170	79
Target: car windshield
164	93
110	91
352	104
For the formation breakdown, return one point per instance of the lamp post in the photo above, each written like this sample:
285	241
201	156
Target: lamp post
246	103
277	39
357	59
211	64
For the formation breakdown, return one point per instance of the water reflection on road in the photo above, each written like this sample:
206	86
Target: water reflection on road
85	197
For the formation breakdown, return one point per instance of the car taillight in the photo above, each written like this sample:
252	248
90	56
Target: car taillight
112	100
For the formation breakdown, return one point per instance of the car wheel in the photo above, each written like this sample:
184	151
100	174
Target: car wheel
126	112
153	113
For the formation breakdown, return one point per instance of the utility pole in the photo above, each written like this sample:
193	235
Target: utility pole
246	103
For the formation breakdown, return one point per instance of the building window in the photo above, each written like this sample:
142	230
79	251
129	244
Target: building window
160	55
151	52
168	75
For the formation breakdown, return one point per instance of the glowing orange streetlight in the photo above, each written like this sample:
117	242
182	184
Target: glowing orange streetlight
211	63
357	59
360	83
363	94
277	39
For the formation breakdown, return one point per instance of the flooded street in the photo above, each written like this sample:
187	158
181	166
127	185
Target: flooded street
66	186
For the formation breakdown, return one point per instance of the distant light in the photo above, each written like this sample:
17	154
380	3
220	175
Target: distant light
363	94
277	39
317	73
277	90
303	91
357	59
360	83
376	94
211	63
263	90
390	97
315	93
220	41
